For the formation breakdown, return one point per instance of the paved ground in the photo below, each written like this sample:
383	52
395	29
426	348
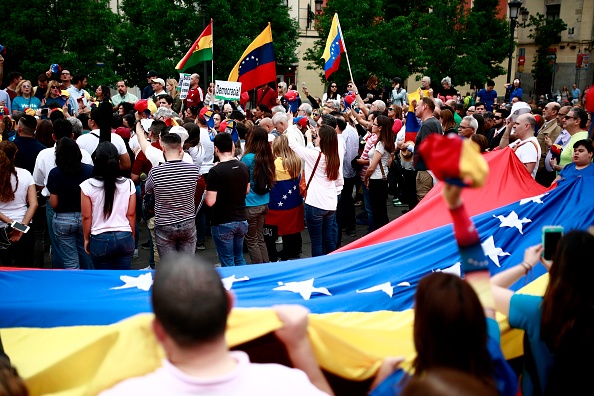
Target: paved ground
211	256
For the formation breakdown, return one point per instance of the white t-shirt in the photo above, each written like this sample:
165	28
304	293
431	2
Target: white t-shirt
377	173
528	152
246	379
208	145
117	221
156	157
17	208
90	141
46	161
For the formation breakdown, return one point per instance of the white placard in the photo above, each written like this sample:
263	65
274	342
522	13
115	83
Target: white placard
184	83
227	90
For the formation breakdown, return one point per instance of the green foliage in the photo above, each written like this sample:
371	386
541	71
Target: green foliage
432	37
156	34
545	33
73	33
149	34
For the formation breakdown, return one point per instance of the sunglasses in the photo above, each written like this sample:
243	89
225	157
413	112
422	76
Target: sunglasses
569	117
392	109
55	87
496	118
332	86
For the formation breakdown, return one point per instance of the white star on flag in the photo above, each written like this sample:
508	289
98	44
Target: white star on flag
280	204
536	199
454	270
294	187
385	287
493	252
304	288
228	281
284	197
290	192
142	282
512	220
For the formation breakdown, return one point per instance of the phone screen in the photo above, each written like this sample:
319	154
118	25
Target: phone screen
20	227
551	238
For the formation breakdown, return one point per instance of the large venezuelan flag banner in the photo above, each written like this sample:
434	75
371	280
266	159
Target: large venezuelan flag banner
74	333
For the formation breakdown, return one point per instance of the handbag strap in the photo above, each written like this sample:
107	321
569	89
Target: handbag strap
314	171
382	169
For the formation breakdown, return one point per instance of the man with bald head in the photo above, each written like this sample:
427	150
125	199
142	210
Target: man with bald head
526	147
267	124
551	130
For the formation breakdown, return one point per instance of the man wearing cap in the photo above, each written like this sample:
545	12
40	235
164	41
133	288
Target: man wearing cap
147	92
195	95
123	95
174	186
153	154
158	88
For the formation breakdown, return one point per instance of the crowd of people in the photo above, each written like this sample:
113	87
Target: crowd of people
86	171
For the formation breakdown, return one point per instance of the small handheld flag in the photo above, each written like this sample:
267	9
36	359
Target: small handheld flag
334	48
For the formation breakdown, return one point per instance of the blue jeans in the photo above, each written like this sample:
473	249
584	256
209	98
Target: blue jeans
368	207
228	240
320	227
56	251
112	250
69	235
178	237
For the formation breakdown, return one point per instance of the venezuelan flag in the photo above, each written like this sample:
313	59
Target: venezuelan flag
411	126
257	65
200	51
285	208
334	48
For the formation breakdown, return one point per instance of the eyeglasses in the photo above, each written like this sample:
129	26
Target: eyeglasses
496	118
65	73
566	117
375	124
464	127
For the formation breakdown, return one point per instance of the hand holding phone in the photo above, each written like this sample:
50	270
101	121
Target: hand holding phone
20	227
550	239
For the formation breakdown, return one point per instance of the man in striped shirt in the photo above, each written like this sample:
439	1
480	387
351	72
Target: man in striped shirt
174	186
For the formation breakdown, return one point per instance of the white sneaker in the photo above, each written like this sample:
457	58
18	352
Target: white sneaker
135	255
147	268
279	241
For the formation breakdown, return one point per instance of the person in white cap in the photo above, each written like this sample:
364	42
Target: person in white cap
159	88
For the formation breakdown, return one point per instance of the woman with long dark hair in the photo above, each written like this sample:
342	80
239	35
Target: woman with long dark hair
44	132
108	205
102	93
331	93
376	177
18	202
64	186
260	162
322	165
559	327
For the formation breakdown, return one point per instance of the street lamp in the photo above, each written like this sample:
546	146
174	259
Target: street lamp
319	4
514	10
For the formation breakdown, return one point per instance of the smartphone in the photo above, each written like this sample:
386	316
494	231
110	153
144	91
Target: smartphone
303	84
550	238
19	227
44	111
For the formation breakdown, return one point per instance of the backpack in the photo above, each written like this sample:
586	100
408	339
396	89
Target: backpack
262	185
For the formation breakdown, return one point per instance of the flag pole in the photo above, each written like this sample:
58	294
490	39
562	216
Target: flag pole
345	49
212	60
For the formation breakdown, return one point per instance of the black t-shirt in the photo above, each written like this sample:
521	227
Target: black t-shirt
429	126
67	188
229	179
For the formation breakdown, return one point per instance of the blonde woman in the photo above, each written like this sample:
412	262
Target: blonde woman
171	88
25	99
288	217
